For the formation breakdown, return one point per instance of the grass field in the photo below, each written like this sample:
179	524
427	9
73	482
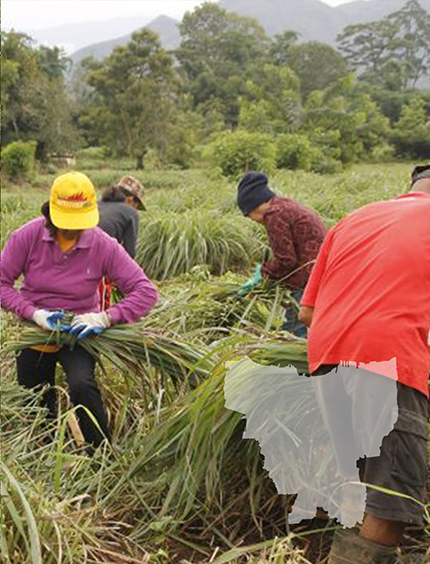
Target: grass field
179	483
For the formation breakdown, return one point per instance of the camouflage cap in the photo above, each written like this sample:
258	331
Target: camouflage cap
134	186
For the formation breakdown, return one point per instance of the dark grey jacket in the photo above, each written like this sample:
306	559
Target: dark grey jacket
120	222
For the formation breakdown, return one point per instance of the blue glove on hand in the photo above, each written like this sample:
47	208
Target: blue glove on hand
252	282
89	324
48	320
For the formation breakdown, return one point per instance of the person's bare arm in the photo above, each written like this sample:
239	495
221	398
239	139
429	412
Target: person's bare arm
305	315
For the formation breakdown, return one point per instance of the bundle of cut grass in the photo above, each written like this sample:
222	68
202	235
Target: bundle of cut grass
213	305
171	244
130	348
195	465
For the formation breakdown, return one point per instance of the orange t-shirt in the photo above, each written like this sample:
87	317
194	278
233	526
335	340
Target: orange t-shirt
370	288
65	245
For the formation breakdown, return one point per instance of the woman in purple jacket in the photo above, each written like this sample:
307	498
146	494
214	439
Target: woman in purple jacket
63	258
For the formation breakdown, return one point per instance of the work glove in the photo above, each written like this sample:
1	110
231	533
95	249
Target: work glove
89	324
252	282
48	320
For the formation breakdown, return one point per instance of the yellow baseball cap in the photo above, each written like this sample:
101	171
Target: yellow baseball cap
73	202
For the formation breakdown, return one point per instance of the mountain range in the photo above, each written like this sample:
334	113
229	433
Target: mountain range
313	19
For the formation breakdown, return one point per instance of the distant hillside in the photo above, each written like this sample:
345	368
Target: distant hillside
313	19
362	11
75	36
166	28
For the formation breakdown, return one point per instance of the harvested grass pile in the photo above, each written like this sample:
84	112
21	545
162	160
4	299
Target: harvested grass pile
130	348
212	308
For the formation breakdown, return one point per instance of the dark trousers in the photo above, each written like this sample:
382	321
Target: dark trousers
36	369
292	323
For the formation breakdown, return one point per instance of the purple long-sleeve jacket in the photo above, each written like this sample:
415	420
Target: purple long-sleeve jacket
70	281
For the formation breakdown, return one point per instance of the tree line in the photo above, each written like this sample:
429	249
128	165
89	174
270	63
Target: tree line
229	84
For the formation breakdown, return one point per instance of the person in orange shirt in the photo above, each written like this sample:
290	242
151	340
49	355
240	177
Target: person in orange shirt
367	301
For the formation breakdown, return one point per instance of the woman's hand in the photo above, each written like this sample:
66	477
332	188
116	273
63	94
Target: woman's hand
48	320
89	324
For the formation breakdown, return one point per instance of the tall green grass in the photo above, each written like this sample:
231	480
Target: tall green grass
179	483
171	244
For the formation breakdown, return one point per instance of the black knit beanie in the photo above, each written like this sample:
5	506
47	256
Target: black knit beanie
420	172
253	191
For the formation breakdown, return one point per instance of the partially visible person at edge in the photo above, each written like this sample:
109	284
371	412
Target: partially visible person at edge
295	234
119	218
63	257
367	300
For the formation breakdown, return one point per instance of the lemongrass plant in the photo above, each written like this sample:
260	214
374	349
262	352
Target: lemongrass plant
171	244
50	510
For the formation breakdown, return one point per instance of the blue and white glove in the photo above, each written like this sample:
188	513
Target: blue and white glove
89	324
48	320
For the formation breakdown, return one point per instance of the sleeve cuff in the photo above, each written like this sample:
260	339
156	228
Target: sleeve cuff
307	302
115	316
28	311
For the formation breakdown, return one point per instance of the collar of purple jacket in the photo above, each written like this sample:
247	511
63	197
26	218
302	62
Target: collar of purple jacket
85	238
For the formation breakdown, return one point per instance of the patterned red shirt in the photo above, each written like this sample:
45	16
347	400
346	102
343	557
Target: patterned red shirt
296	234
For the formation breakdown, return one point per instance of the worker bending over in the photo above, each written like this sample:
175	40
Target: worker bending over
367	301
119	218
63	257
295	234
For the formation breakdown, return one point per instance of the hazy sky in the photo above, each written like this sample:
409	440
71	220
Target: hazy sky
41	14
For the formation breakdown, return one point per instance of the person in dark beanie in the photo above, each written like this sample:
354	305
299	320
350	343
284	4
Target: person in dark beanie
368	301
296	234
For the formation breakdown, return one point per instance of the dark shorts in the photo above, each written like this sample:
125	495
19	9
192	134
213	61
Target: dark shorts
402	463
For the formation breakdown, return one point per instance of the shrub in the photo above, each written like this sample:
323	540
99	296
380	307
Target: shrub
296	152
238	152
93	153
382	153
411	135
327	165
19	159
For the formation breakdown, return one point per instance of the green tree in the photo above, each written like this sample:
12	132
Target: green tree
347	115
216	51
411	135
281	46
272	102
134	97
317	65
393	52
35	105
367	47
413	45
53	61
